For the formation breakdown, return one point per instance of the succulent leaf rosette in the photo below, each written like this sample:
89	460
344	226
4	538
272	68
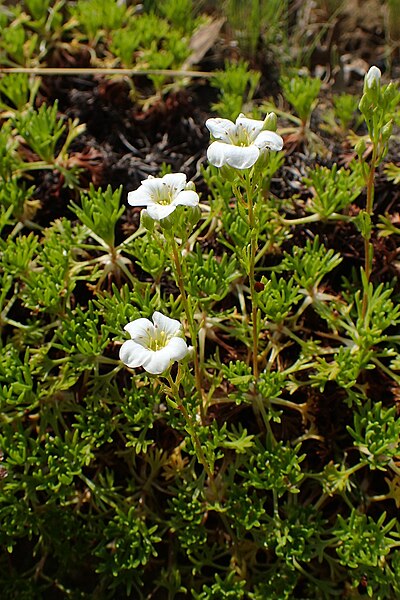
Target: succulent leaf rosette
240	144
161	195
153	345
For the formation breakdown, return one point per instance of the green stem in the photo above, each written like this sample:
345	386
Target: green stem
386	370
190	320
252	262
190	428
315	217
368	247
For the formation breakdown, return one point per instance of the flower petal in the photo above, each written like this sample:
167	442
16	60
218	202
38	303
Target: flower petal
372	78
177	348
269	139
238	157
175	181
158	361
140	330
134	355
140	197
171	327
160	211
153	185
187	198
216	153
252	126
221	129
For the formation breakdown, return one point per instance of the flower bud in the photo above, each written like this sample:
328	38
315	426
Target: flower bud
190	186
372	80
193	215
364	224
270	122
146	221
168	223
390	93
228	173
365	106
360	147
387	131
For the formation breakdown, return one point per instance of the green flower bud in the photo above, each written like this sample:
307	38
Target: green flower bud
389	93
365	106
146	221
193	215
270	122
364	224
228	173
168	222
360	147
372	80
387	131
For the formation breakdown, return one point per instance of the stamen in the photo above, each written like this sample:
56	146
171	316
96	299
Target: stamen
159	341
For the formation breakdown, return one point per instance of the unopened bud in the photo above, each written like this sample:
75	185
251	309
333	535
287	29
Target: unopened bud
372	80
387	131
167	223
390	93
365	105
228	173
360	147
270	122
146	221
193	215
190	186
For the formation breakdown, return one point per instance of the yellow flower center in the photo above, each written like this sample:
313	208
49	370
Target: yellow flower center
164	196
242	136
158	341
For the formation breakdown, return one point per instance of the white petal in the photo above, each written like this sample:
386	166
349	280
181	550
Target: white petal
133	355
171	327
153	185
177	348
373	78
140	330
252	126
269	139
160	211
187	198
139	197
238	157
158	362
176	181
216	153
220	129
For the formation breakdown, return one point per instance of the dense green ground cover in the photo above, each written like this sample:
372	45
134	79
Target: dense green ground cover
249	447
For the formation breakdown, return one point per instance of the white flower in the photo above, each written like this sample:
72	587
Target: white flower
154	346
372	78
161	195
239	144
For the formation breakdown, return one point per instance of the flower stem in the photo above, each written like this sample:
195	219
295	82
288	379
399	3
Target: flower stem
190	428
252	262
368	247
190	320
